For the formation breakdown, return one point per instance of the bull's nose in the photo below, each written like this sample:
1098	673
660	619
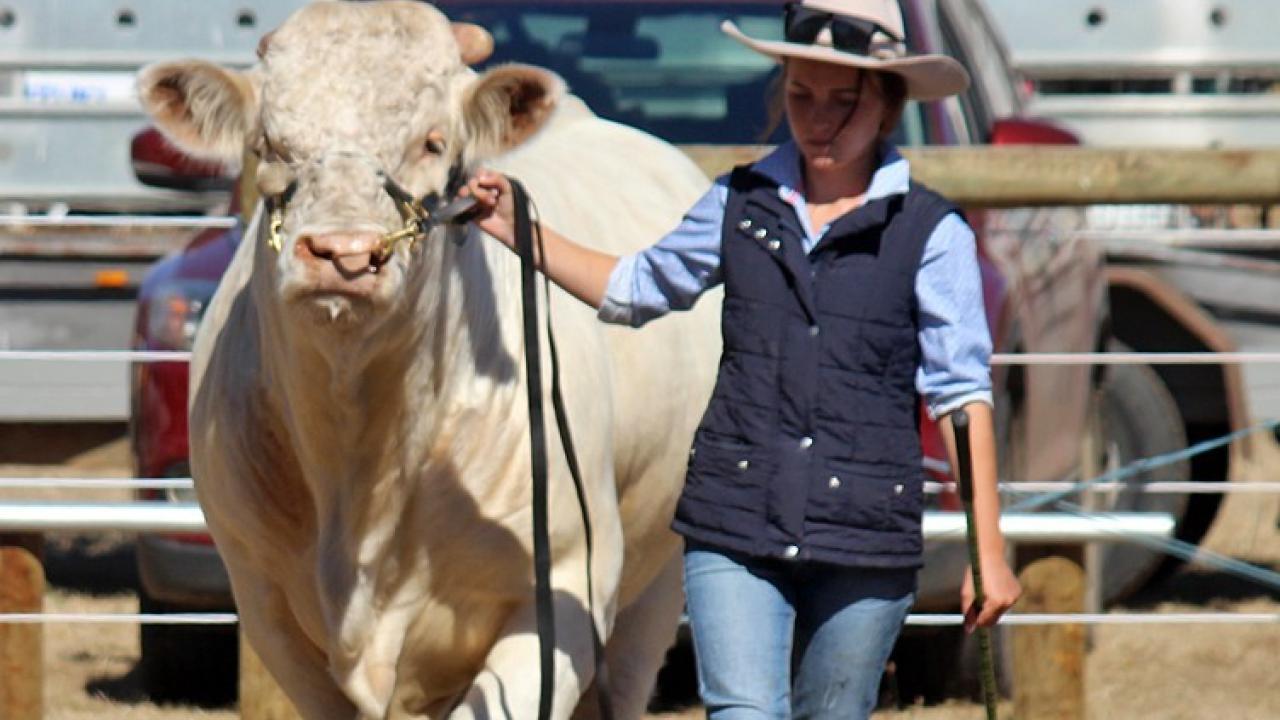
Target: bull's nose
352	253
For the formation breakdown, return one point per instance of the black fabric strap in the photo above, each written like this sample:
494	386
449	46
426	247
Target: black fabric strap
575	471
525	231
538	453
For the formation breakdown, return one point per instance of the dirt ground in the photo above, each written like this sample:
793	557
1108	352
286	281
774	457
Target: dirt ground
1172	672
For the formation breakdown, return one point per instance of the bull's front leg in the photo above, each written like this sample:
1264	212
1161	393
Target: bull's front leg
507	685
294	661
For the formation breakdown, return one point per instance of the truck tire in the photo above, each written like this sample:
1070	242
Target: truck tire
187	664
1134	417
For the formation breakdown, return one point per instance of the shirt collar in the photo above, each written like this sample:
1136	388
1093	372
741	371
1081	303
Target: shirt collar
782	166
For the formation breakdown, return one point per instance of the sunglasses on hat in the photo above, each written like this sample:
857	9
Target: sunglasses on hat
850	34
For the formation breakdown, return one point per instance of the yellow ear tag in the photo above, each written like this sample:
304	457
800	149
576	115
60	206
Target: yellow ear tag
274	237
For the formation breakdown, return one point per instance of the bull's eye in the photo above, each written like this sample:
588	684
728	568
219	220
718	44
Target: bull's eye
270	151
435	143
274	178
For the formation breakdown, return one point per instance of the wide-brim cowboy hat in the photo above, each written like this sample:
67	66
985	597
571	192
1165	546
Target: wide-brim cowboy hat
928	77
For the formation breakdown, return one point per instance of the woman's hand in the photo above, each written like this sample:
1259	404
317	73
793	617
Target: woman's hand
1001	590
495	212
582	271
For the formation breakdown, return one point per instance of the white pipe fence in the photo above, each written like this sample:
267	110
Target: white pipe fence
1029	527
919	620
1009	359
1117	618
1019	487
1035	527
132	222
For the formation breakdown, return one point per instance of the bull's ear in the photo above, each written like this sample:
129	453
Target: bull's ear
507	105
206	110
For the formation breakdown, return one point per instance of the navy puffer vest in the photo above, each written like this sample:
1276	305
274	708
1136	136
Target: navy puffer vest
810	446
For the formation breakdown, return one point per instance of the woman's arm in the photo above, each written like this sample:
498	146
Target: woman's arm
669	275
956	373
581	271
998	582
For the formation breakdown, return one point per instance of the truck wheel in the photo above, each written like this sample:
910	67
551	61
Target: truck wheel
1133	417
187	664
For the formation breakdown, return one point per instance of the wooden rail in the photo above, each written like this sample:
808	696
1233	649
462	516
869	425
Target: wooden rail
1030	175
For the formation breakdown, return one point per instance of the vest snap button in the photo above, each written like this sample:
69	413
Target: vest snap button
814	330
761	234
745	224
693	452
775	244
834	482
744	464
897	489
805	443
791	552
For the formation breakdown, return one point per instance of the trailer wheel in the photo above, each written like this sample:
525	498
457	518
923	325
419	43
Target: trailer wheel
1133	417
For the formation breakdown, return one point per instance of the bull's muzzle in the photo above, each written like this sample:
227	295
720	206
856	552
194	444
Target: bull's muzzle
351	254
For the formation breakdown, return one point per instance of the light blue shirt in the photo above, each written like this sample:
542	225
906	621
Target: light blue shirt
955	342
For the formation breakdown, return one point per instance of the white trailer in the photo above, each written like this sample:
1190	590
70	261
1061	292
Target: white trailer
67	117
1173	73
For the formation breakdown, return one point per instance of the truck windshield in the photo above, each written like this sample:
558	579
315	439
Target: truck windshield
662	67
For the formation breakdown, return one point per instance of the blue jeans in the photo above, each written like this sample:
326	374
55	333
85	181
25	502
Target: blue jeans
756	621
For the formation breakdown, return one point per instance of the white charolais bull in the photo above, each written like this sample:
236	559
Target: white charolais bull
359	429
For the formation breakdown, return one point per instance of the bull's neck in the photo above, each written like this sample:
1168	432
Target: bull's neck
377	411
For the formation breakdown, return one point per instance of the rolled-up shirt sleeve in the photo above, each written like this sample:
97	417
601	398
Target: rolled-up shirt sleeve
955	343
673	273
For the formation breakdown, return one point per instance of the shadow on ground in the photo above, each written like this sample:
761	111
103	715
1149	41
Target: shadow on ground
125	688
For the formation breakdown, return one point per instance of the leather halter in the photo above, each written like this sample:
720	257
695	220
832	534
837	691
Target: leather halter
420	215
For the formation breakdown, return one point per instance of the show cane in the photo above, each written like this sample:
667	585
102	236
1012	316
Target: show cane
964	475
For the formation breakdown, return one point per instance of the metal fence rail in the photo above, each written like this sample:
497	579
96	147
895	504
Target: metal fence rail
41	517
1018	487
915	619
1011	359
133	223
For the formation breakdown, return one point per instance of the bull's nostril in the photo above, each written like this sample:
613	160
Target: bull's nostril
351	266
312	247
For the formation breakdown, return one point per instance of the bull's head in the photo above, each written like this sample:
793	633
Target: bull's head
353	108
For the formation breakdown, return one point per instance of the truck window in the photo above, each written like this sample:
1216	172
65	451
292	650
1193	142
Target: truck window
663	67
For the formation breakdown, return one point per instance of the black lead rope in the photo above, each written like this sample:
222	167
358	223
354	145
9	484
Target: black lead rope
525	232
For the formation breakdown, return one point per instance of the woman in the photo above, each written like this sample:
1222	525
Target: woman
848	290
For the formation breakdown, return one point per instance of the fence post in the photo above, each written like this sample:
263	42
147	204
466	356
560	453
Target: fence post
260	697
1048	667
21	646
